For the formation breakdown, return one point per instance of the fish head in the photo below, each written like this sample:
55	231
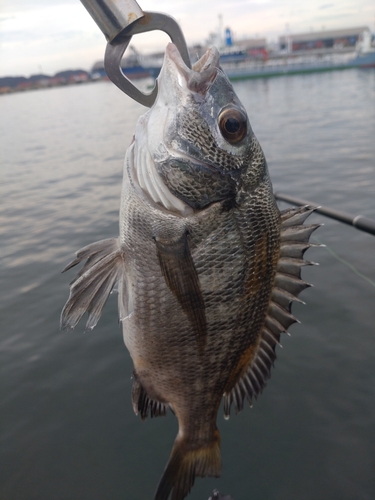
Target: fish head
199	135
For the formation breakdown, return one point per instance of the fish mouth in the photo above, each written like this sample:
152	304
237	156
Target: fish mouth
200	78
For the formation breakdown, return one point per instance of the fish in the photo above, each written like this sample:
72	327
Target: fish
206	265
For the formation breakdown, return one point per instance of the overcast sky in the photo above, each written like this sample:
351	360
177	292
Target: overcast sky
52	35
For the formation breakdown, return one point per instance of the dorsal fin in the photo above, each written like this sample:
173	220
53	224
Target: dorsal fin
294	238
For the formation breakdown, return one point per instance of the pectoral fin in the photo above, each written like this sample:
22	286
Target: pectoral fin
181	276
91	287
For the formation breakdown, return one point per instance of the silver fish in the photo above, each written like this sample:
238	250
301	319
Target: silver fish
205	265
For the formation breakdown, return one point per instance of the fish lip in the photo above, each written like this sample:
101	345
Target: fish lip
200	78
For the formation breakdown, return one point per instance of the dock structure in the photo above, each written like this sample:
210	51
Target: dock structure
342	39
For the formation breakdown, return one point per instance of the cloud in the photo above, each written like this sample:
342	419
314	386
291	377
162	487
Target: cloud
325	6
27	5
53	30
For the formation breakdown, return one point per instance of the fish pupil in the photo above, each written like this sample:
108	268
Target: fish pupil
232	125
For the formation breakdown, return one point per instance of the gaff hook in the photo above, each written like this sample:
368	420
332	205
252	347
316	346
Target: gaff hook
119	20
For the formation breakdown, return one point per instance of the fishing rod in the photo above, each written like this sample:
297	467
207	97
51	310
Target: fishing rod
358	221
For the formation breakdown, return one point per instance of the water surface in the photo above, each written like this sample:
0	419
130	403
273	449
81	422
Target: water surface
68	429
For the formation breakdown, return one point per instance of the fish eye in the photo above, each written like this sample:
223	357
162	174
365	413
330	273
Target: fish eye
233	125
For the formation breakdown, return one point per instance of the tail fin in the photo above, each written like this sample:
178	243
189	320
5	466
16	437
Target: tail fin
185	463
91	287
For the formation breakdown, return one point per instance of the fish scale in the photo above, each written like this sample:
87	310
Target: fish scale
206	266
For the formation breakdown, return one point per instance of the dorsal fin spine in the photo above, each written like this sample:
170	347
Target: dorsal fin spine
259	375
274	326
275	337
238	396
294	249
288	284
295	218
281	315
267	349
297	233
247	380
266	356
260	359
283	296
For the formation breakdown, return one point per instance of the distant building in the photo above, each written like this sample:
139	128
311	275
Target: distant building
330	39
5	90
252	43
254	47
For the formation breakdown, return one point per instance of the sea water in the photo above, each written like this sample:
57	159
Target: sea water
67	426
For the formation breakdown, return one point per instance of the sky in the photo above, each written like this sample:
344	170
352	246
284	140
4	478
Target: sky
47	36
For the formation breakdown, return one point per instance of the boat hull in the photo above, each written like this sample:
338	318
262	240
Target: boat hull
268	69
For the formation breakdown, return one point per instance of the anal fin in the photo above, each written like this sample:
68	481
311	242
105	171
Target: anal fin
142	403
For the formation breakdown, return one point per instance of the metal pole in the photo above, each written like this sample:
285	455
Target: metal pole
358	221
113	16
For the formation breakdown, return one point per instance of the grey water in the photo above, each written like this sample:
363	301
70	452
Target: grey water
67	426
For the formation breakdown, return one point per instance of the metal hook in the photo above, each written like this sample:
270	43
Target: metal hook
119	21
112	62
